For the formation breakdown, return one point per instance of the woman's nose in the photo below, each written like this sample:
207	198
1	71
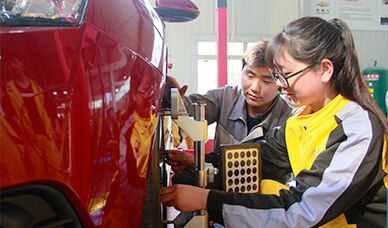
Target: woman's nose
278	83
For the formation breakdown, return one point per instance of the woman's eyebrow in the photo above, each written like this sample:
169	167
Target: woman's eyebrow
279	67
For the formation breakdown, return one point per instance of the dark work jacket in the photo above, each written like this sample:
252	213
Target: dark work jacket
227	107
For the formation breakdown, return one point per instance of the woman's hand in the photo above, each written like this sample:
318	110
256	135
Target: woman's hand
184	198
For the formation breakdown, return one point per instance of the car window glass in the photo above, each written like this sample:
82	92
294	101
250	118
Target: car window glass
41	12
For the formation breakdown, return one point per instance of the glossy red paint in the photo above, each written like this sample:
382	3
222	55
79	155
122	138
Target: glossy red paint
185	5
177	10
96	91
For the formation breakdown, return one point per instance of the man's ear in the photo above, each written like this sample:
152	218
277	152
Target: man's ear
327	70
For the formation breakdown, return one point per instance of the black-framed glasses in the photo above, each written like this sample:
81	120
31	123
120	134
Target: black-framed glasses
282	78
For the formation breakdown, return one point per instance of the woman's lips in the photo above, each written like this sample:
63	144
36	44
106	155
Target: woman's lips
288	95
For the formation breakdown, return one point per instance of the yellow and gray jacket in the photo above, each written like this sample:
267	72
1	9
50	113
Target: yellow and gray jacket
338	156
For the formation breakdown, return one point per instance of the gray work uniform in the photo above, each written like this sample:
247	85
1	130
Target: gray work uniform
227	107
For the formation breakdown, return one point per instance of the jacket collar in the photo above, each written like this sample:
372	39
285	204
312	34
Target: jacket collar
241	113
239	109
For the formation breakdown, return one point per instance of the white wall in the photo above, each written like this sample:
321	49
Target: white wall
251	20
371	46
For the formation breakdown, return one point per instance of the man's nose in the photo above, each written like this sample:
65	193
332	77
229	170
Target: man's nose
256	85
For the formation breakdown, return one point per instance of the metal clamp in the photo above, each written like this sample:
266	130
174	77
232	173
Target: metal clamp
195	129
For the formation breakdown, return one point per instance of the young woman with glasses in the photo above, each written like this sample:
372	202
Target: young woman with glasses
336	147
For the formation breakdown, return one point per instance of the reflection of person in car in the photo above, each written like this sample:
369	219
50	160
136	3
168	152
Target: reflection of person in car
12	148
138	127
108	133
33	118
135	145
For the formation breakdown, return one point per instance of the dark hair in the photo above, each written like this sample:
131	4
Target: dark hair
312	39
255	56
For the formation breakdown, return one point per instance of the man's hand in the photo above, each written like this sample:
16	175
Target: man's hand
172	83
179	160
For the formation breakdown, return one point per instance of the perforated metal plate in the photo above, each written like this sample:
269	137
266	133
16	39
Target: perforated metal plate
241	168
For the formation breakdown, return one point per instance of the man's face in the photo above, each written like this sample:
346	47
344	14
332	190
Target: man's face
15	66
258	87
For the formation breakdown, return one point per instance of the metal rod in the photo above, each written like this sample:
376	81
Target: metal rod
199	151
164	175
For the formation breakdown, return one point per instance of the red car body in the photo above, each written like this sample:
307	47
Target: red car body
77	128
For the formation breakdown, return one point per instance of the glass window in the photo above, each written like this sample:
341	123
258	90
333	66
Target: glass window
207	48
234	72
235	48
41	13
207	75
